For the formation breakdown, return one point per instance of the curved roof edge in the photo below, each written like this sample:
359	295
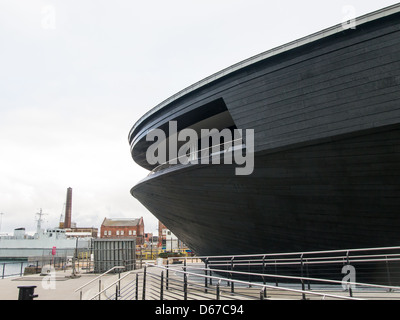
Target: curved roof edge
375	15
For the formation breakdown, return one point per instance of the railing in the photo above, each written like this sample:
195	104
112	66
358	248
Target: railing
294	279
130	291
193	157
18	268
208	291
99	278
100	266
262	276
162	286
371	265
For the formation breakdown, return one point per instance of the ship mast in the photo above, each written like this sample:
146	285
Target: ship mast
39	222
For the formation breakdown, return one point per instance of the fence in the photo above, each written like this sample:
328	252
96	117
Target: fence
79	258
372	265
109	253
262	277
20	268
12	269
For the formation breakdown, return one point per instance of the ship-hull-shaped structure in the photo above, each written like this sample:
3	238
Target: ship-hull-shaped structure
325	111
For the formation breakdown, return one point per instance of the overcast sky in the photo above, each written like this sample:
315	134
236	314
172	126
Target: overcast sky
76	75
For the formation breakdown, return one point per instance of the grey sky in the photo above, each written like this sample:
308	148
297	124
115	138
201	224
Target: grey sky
76	75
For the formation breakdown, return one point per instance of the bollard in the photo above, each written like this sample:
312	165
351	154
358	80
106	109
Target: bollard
26	293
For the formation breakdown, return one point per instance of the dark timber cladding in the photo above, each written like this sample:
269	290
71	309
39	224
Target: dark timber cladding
325	196
326	116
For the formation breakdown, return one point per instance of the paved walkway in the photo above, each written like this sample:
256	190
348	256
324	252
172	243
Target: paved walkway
60	286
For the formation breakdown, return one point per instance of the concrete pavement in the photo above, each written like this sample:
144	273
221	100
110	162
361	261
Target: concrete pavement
58	286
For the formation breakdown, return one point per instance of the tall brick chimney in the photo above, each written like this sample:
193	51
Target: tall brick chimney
68	209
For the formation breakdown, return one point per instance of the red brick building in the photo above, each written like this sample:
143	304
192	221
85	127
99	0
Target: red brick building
123	228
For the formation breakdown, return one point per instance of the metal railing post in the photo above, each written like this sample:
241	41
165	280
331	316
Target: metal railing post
144	284
218	290
162	285
302	275
205	278
232	282
263	269
388	272
262	294
303	289
249	275
119	282
348	263
185	285
167	274
230	274
137	286
308	275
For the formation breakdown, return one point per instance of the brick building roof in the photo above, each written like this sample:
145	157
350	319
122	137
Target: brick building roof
121	222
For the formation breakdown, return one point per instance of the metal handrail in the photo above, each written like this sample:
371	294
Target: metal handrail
98	277
301	258
344	257
115	282
295	278
315	259
305	262
297	253
168	163
261	285
230	275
